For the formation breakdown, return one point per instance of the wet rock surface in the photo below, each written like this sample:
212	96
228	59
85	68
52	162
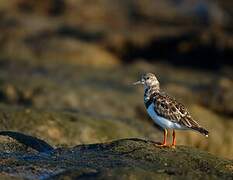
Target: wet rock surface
124	158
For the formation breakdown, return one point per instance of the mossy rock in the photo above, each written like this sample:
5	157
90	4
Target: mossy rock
68	128
120	159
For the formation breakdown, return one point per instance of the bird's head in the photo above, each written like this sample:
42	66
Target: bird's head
148	80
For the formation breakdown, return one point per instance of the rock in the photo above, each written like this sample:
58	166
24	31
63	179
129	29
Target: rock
220	132
29	141
14	95
70	128
109	30
66	69
66	104
61	50
73	51
220	96
124	158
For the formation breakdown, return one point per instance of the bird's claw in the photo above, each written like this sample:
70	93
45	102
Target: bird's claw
165	145
161	145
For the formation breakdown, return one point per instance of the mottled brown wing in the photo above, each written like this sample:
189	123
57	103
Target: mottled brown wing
172	110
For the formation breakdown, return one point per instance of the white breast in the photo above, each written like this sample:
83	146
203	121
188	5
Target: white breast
164	123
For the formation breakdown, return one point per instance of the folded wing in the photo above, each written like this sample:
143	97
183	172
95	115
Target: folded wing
169	108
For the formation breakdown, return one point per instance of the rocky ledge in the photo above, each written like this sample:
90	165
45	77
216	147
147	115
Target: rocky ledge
120	159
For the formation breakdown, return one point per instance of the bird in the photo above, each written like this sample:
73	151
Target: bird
166	111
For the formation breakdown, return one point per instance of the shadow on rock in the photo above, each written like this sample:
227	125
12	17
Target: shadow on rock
133	157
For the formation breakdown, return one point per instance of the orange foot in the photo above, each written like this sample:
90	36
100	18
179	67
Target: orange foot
161	145
164	145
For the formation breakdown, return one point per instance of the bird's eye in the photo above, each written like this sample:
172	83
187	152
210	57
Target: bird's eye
147	78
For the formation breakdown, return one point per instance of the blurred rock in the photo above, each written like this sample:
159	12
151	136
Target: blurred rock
82	56
74	52
50	7
220	96
9	93
80	104
69	128
127	30
16	95
216	125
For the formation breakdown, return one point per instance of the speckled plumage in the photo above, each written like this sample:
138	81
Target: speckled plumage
165	110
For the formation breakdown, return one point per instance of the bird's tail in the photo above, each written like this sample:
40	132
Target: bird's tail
201	130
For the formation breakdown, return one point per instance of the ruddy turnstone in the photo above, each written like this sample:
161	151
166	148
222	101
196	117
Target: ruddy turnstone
165	110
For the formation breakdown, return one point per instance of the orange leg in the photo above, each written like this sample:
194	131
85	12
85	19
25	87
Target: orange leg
173	138
164	144
164	137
